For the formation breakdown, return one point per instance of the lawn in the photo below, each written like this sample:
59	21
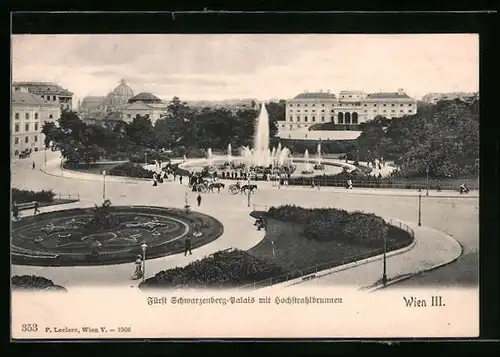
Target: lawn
295	252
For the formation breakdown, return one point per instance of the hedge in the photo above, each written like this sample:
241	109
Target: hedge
22	196
33	282
131	170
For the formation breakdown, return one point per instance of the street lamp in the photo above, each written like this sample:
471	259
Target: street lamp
143	247
45	155
274	252
145	158
419	207
384	274
477	161
427	174
249	190
103	184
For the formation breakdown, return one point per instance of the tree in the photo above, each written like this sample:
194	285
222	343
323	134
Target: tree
49	129
141	132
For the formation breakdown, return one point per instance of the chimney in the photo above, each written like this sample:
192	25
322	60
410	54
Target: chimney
401	91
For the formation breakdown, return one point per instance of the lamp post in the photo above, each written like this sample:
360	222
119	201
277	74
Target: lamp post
62	171
427	184
103	184
419	208
384	274
45	156
477	161
145	158
249	190
274	252
143	247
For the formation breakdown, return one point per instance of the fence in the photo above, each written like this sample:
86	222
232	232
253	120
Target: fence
67	196
310	272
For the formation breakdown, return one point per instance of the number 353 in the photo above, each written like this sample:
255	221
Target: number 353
29	328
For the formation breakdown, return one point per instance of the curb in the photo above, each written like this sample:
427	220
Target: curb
379	286
92	177
339	268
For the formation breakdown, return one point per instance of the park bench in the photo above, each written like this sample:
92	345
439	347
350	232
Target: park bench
25	205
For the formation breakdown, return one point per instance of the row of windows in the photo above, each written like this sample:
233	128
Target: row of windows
26	139
54	98
16	153
27	116
355	105
26	127
392	111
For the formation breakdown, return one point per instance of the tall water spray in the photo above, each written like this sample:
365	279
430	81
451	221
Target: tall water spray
306	160
284	156
229	153
318	154
209	157
261	138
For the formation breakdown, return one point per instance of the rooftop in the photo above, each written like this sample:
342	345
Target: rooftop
315	95
387	95
26	98
42	88
146	98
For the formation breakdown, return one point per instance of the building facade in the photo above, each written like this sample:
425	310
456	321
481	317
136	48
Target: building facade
349	108
29	112
144	104
50	92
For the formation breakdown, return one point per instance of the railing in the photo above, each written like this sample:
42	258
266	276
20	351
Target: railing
68	196
310	272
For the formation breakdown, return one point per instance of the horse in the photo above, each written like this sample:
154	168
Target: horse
250	188
217	185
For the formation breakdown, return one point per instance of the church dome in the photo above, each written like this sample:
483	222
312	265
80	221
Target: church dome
123	90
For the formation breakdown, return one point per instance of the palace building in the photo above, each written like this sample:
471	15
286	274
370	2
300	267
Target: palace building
349	108
29	112
50	92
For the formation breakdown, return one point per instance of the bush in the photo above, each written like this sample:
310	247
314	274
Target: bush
150	155
22	196
222	269
33	282
131	170
331	224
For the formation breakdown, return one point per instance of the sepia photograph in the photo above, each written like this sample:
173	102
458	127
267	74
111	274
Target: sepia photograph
246	169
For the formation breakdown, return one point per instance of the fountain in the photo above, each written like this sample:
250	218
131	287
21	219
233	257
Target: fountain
261	138
209	157
319	165
307	167
229	157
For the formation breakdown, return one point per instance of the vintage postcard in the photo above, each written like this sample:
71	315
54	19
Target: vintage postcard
265	186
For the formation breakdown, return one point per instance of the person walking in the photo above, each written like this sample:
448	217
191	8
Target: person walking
198	199
187	246
138	273
180	179
33	165
36	208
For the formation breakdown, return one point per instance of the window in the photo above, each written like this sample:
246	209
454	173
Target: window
16	129
313	118
355	118
322	110
314	110
305	110
401	111
331	111
27	116
36	138
392	105
393	111
366	105
322	118
332	118
26	127
341	118
385	105
322	105
36	115
16	141
350	96
26	139
17	116
36	126
291	127
401	105
36	149
299	126
50	116
314	105
298	104
374	111
298	118
374	105
347	118
305	118
384	110
53	97
409	105
282	125
409	111
340	104
291	105
48	97
291	118
366	111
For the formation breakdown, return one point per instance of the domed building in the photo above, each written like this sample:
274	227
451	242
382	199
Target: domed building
119	96
144	104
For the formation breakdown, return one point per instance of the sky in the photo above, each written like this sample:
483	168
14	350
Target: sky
215	67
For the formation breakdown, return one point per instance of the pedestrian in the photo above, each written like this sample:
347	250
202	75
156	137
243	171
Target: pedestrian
33	165
36	208
175	175
198	199
94	255
312	184
180	179
15	211
138	273
187	246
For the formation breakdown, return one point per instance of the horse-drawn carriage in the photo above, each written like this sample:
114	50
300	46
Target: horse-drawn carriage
236	188
203	185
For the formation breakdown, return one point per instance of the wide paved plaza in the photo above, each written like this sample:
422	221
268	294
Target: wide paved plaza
449	232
